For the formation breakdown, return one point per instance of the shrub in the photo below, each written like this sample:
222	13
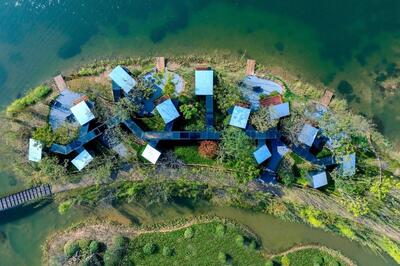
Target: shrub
333	263
71	248
65	206
222	257
220	230
94	247
45	135
269	263
111	258
189	233
167	251
239	240
32	97
253	244
149	248
262	120
84	244
119	241
318	260
208	149
285	261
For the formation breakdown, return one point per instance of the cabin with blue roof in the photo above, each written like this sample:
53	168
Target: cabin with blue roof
35	150
240	116
279	110
317	179
82	113
60	111
307	135
262	154
204	82
122	78
82	160
168	111
348	165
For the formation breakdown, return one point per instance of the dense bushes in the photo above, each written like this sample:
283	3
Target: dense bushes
236	151
208	149
189	233
71	249
149	248
32	97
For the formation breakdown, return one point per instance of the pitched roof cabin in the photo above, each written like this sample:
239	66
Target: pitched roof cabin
168	111
317	179
82	160
122	78
204	82
151	154
239	117
307	135
35	150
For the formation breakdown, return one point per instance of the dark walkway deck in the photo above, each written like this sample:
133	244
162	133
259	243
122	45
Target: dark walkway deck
23	197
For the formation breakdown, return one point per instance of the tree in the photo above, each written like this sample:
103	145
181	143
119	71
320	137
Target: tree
208	149
149	248
45	135
236	150
190	110
262	120
94	247
167	251
222	257
269	263
126	108
239	240
71	248
318	260
189	233
285	261
220	230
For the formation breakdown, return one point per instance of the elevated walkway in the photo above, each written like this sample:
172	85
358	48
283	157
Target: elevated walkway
25	196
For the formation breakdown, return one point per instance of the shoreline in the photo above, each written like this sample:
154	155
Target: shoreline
92	229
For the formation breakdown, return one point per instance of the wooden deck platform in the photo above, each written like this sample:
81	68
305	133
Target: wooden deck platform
326	99
160	64
28	195
60	83
250	67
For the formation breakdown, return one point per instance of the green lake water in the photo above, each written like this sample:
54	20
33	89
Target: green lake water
325	42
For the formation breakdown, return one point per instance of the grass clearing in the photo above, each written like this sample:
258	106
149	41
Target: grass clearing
190	154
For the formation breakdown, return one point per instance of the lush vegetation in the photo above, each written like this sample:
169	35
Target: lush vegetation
31	97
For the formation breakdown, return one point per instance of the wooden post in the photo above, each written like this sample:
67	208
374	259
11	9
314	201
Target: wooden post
250	68
60	83
160	64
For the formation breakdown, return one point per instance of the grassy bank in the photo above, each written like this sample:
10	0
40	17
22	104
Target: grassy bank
180	242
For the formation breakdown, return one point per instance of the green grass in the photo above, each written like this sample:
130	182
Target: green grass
190	154
32	97
307	257
201	249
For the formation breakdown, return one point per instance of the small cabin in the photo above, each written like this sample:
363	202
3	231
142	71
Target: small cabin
240	117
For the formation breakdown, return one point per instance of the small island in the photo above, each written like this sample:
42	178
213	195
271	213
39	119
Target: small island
218	129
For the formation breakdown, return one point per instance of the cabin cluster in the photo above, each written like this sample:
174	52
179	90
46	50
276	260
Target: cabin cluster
75	109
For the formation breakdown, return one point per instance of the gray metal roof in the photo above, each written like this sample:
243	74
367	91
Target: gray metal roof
204	82
122	79
240	116
308	135
167	111
279	110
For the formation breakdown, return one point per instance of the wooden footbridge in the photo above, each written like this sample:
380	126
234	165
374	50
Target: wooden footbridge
25	196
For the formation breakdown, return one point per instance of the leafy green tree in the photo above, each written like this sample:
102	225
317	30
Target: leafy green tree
220	230
269	263
236	150
262	120
167	251
94	247
149	248
285	261
222	257
189	233
239	240
126	108
71	248
45	135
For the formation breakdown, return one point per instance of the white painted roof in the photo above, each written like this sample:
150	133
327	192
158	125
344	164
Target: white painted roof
122	79
240	116
82	160
151	154
319	180
262	154
82	113
204	82
35	150
308	135
279	110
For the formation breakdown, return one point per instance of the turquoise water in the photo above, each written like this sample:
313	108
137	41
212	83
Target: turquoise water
342	44
325	42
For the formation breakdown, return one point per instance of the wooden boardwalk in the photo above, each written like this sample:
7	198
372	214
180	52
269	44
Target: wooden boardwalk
23	197
250	67
60	83
160	64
